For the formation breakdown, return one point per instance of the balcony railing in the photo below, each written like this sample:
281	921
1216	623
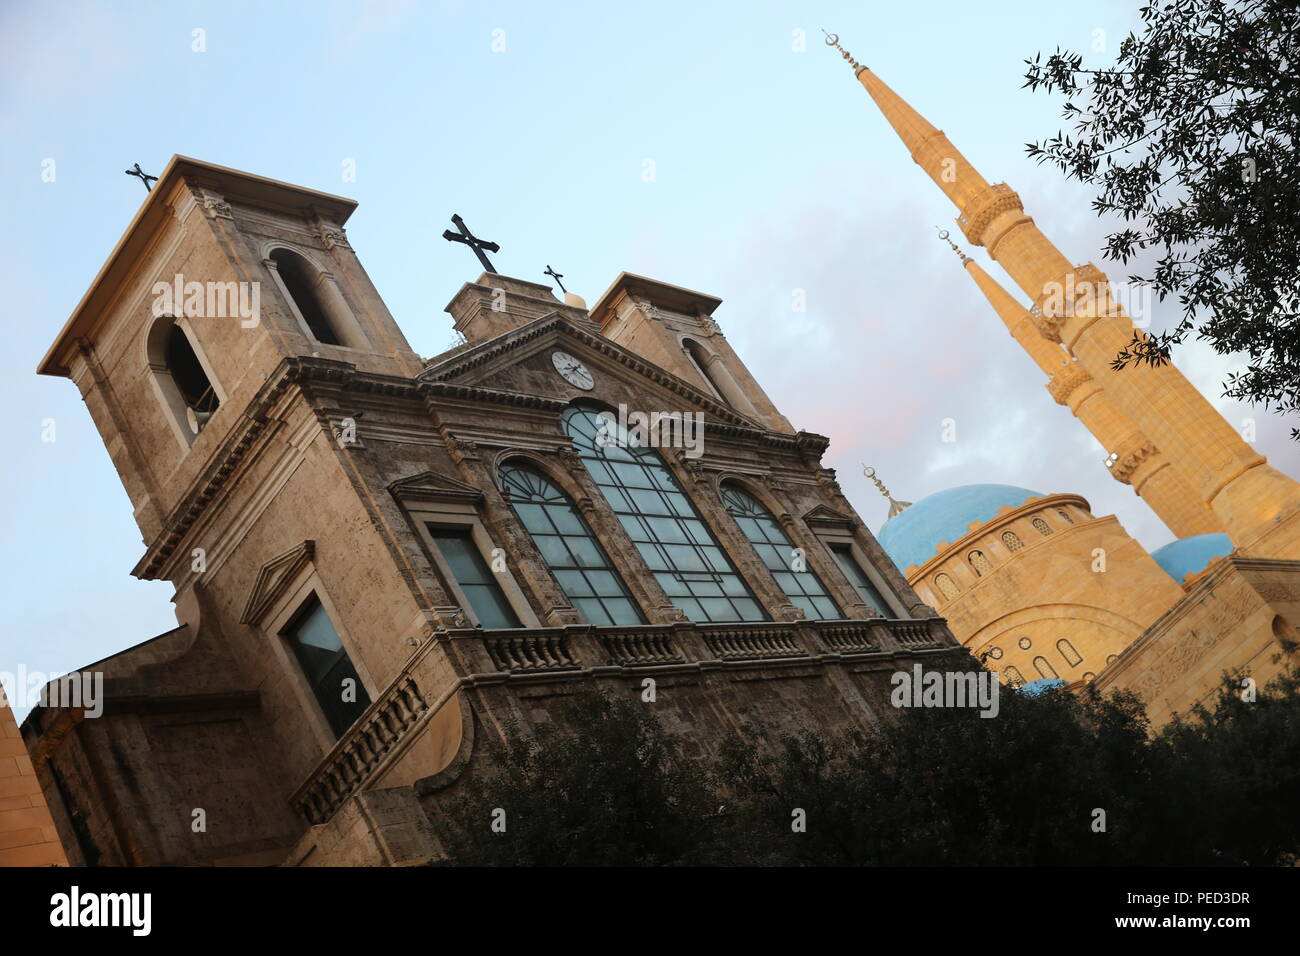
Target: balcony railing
391	722
361	750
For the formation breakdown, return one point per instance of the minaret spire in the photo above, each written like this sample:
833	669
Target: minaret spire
1073	306
1132	458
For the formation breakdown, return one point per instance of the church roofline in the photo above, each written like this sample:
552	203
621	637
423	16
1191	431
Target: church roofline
130	250
671	297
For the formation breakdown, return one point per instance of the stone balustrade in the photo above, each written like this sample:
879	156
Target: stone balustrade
361	750
389	723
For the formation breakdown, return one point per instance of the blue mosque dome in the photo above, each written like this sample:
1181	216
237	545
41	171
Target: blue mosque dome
1036	688
1191	555
911	537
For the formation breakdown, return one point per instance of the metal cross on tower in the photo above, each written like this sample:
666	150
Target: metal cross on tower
144	177
467	237
557	276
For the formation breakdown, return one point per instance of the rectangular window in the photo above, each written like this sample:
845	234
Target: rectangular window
853	571
326	666
479	585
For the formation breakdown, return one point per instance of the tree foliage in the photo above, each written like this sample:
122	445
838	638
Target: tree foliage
1189	137
932	786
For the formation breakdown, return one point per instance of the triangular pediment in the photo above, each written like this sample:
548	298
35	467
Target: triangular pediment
274	579
483	364
430	487
829	518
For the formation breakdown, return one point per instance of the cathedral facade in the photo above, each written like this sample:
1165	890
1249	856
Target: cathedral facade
384	563
1036	585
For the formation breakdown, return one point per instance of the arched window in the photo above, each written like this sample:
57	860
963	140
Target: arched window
1013	676
317	301
680	550
1043	667
946	586
1066	517
572	552
1012	541
182	381
1072	657
716	374
800	584
700	359
1042	527
979	562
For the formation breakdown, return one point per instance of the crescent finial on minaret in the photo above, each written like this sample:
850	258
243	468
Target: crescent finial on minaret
895	507
944	235
833	39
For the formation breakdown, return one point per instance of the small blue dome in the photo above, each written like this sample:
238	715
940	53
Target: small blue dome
912	536
1191	555
1036	688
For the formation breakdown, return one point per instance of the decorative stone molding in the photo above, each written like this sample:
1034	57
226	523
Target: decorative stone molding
274	580
430	487
1066	380
450	617
999	198
332	236
824	517
214	205
463	449
572	462
789	613
562	615
1131	456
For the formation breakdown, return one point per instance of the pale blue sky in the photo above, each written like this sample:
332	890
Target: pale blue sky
774	172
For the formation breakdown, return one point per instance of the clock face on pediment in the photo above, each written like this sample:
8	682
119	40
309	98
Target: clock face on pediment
573	371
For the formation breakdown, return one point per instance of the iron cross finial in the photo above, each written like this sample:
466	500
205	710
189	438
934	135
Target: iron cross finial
467	237
144	177
557	276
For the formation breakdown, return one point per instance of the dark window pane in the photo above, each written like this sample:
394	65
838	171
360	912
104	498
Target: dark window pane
844	556
480	586
327	667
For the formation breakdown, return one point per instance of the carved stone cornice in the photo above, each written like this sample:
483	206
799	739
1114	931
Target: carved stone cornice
1066	380
274	580
429	487
213	204
333	237
824	517
1131	456
998	199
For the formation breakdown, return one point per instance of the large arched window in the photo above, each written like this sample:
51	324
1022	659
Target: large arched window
298	278
801	585
572	552
317	300
678	547
181	379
